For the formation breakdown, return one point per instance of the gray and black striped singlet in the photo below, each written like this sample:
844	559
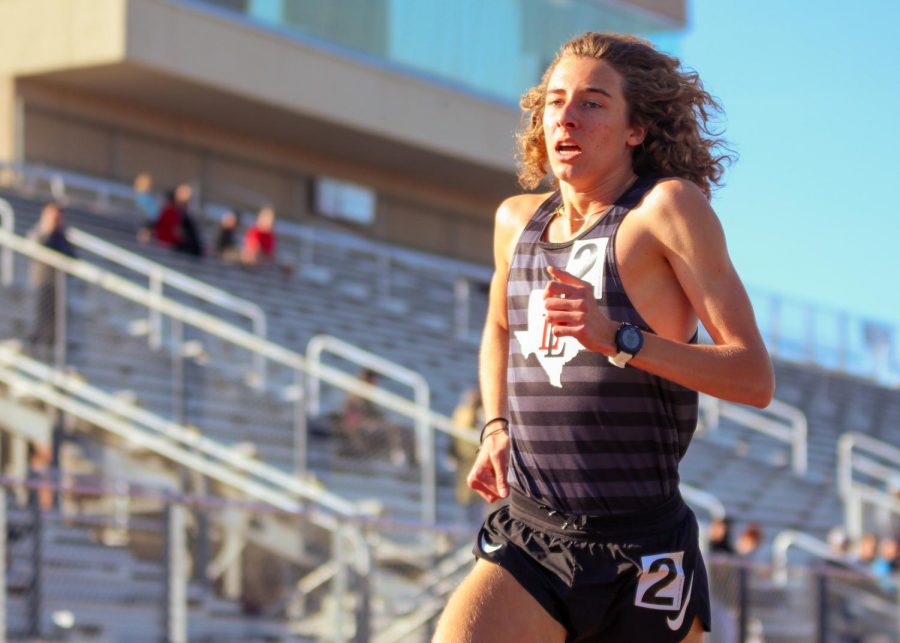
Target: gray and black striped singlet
587	437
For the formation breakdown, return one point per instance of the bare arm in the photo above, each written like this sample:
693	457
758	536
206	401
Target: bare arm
737	366
488	475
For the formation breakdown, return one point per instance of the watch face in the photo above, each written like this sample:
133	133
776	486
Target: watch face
630	339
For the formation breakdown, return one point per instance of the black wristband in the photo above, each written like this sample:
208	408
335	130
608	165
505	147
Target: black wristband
490	422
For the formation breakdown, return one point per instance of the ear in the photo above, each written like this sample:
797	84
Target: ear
636	135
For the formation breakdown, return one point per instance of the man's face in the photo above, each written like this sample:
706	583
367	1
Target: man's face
183	194
586	126
51	218
266	219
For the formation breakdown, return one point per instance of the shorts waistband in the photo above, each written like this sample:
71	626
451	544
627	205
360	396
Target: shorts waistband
662	517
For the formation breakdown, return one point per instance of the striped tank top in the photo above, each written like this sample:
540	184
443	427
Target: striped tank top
587	437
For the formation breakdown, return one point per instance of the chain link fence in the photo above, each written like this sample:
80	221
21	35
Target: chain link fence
755	603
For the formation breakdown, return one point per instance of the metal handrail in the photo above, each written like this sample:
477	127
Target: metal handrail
190	440
794	433
870	462
59	181
852	440
800	540
321	344
8	223
159	276
230	333
705	500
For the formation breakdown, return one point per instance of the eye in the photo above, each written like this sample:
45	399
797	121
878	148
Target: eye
592	104
556	102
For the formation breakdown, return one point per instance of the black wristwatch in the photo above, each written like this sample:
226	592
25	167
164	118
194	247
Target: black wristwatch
629	341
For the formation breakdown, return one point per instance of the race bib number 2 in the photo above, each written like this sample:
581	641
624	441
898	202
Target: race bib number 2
661	583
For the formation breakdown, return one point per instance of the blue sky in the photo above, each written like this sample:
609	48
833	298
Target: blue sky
811	91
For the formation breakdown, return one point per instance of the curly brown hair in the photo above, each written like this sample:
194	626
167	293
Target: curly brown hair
670	102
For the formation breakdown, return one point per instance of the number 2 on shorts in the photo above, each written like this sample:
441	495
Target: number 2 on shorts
661	582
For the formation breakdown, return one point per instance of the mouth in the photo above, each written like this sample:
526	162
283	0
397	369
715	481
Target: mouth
567	149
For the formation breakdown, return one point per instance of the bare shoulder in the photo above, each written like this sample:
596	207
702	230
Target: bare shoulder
513	215
677	197
677	209
516	211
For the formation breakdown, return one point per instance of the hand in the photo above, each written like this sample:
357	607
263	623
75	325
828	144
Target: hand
573	312
488	475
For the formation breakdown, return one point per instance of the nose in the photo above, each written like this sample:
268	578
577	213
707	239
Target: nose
566	116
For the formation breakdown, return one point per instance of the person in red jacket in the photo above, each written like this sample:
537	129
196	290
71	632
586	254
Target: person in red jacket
167	226
259	242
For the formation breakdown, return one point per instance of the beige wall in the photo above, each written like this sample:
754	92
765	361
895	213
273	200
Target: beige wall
8	118
47	35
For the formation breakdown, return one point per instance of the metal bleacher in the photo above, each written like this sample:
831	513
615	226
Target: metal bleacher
339	288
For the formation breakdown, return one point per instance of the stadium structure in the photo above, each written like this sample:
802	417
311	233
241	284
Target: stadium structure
179	460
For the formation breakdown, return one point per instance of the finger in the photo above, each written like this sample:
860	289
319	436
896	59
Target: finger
481	477
563	318
567	331
559	274
482	490
500	477
557	303
558	288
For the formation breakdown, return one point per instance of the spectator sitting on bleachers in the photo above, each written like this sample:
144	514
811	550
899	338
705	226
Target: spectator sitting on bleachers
189	239
226	237
50	232
259	242
720	536
40	461
886	564
748	543
147	202
365	430
167	226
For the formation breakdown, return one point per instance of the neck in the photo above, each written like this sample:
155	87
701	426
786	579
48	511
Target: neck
579	203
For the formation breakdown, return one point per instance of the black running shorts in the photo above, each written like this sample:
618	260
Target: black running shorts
630	577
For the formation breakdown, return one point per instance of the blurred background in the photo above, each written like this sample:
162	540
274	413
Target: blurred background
244	252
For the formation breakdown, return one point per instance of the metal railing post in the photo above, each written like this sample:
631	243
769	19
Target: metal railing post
362	587
300	427
822	616
155	317
178	380
853	515
339	582
8	223
60	320
3	566
425	438
313	383
743	603
175	603
36	589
